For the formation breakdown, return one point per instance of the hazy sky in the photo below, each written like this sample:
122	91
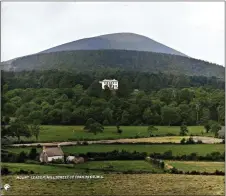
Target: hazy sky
196	29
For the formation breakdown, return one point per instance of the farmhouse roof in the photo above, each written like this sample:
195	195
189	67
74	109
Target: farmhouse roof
53	151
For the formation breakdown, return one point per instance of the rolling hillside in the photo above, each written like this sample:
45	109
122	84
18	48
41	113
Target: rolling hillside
124	51
118	59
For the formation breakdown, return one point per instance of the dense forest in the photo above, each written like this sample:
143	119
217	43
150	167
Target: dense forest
118	59
58	97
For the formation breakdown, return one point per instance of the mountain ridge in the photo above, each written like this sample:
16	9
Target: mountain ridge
116	41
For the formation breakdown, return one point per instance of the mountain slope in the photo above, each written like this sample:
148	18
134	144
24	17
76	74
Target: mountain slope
118	59
116	41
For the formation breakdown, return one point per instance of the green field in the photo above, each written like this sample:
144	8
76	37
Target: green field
93	166
73	133
40	169
197	166
200	149
120	184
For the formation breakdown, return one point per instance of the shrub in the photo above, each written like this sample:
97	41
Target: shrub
190	140
171	134
5	171
183	141
33	154
199	142
85	143
22	157
119	131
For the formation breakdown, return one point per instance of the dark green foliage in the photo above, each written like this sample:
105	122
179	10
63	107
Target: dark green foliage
151	129
22	157
18	128
115	155
75	97
214	156
33	154
95	128
129	60
5	171
183	130
88	123
190	141
183	141
119	131
170	115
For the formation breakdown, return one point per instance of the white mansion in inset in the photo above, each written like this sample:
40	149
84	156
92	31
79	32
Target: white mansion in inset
112	84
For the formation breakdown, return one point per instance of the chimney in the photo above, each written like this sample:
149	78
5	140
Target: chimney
43	148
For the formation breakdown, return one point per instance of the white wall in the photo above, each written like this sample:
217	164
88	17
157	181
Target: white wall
70	158
55	157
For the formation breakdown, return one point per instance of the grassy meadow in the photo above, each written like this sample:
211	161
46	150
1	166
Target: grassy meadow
93	166
178	149
200	166
120	184
51	133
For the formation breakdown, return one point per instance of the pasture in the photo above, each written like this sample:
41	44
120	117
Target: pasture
92	166
120	184
178	149
200	166
53	133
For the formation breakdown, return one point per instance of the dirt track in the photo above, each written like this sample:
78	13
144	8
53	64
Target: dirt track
173	139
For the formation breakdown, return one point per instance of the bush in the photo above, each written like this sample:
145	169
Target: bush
199	142
119	131
190	141
22	157
5	171
85	143
33	154
183	141
214	156
115	155
171	134
24	172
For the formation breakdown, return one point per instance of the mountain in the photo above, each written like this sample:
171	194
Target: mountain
124	51
116	41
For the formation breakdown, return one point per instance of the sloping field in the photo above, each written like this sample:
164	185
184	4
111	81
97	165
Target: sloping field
166	139
200	149
120	184
197	166
98	166
53	133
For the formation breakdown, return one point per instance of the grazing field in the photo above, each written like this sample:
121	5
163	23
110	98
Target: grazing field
98	166
40	169
200	149
120	184
73	133
150	140
197	166
120	166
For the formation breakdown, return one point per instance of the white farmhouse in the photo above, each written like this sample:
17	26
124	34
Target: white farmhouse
112	84
51	153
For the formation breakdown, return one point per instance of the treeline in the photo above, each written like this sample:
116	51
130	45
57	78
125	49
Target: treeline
74	106
147	82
